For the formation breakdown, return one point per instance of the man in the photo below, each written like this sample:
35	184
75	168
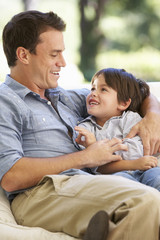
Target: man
43	172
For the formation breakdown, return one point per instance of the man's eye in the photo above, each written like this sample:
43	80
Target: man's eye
54	55
104	90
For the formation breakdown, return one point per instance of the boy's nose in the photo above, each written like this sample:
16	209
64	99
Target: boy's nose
94	93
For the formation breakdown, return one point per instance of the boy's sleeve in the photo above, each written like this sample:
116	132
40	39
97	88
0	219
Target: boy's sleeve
135	146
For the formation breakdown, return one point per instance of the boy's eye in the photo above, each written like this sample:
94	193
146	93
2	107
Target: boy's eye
104	89
92	89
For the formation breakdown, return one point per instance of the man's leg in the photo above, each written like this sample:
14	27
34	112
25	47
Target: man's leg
66	204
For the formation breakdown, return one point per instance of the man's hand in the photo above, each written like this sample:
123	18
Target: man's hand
149	131
102	152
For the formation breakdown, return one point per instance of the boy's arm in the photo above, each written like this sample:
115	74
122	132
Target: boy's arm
122	165
143	163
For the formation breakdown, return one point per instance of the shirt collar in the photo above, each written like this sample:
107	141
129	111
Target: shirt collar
92	118
22	90
17	87
89	119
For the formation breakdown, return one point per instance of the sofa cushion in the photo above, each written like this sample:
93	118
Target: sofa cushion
9	229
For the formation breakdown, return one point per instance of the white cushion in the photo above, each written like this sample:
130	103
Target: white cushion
10	230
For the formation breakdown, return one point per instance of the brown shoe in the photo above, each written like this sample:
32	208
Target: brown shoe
98	227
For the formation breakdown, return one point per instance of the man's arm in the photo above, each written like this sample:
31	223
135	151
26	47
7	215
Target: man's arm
27	172
149	127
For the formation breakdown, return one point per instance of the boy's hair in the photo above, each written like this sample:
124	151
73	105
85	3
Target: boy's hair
23	30
126	85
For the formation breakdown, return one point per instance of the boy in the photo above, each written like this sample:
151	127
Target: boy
113	103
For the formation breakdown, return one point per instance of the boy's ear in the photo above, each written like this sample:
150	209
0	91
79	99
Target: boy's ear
22	54
122	106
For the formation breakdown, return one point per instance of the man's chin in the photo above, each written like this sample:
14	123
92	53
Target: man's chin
53	85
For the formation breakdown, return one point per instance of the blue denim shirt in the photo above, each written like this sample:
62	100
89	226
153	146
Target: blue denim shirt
31	127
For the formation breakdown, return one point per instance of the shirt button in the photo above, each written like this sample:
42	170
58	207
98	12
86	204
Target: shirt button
49	103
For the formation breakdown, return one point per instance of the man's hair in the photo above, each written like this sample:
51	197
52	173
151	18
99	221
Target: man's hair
23	30
126	85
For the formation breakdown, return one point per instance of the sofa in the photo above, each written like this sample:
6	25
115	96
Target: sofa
10	230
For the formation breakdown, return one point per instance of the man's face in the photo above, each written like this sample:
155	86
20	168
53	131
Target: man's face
45	65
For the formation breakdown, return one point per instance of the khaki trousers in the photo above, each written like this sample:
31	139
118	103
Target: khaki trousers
61	203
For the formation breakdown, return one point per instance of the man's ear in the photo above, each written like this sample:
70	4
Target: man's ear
122	106
22	54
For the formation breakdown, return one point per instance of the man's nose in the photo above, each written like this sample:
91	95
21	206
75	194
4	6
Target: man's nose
61	62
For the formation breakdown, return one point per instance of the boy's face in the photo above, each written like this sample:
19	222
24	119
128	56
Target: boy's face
102	101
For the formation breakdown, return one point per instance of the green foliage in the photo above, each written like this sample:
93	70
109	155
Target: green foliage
139	24
127	27
144	63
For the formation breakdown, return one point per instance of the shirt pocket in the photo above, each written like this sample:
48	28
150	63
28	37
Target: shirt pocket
37	127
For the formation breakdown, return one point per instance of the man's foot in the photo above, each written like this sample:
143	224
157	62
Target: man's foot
98	227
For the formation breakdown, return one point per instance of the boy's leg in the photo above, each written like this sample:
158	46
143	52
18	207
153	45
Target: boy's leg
127	174
66	204
151	178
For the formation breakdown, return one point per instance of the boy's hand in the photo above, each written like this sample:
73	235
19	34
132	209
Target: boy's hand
145	162
85	137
